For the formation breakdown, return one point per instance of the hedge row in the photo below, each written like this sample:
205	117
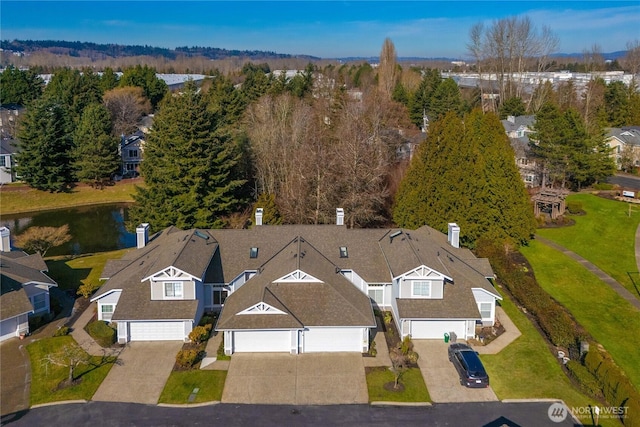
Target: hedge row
552	317
598	376
615	385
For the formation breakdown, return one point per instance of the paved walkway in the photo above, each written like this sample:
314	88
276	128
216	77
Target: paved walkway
621	290
84	339
211	362
511	332
382	356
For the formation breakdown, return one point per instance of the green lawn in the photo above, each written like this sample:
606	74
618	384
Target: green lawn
611	320
45	378
72	271
29	200
605	236
526	369
415	388
181	384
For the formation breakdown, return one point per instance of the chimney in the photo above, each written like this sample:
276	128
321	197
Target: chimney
259	212
5	243
339	216
454	235
142	235
511	119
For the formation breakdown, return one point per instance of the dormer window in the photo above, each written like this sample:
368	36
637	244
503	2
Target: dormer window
173	289
253	253
343	252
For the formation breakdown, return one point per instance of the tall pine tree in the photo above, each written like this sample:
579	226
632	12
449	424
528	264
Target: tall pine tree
45	145
464	172
189	168
96	149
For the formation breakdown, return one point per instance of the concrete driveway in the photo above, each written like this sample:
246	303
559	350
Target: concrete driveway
442	378
14	376
303	379
141	374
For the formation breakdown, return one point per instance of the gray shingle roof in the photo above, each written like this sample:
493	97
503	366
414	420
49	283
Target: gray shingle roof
17	269
628	135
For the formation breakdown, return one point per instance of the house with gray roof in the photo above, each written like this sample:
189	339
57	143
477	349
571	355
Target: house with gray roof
25	288
7	150
297	288
518	129
625	147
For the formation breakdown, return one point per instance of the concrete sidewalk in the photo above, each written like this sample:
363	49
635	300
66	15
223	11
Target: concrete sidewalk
510	334
84	339
382	356
621	290
210	361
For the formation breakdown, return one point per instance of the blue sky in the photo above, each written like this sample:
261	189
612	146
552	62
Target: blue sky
324	28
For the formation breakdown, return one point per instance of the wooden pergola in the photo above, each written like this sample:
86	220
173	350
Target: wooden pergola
550	201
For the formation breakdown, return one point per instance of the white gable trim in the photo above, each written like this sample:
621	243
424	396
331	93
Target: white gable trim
424	272
261	308
104	295
297	276
170	273
495	295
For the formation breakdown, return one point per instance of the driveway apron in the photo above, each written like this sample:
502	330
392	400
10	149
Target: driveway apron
442	378
14	376
304	379
141	373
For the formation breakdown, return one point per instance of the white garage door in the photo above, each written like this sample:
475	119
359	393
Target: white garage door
156	331
435	329
332	339
262	341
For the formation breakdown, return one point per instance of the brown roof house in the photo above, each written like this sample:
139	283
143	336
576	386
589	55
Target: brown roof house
25	288
297	288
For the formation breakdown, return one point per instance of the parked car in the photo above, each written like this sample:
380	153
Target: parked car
468	365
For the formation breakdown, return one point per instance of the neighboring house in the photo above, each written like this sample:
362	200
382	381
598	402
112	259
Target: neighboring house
131	150
625	146
25	288
9	115
518	129
297	288
7	150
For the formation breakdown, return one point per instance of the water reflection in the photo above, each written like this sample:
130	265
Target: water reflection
92	228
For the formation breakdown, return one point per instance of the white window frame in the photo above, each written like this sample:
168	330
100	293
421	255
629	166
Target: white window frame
489	311
36	303
413	288
220	294
177	289
106	314
374	289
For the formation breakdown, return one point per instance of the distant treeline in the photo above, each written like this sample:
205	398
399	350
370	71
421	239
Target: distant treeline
88	49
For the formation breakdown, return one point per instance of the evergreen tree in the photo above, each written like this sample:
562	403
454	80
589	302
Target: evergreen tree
19	87
43	158
109	80
189	169
420	102
445	98
96	150
617	104
512	107
145	77
75	90
464	172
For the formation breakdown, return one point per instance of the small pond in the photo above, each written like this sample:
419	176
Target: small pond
93	228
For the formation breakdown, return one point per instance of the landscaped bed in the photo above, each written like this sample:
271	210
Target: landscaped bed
413	388
47	378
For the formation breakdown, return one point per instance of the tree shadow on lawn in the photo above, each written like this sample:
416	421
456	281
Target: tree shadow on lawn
635	281
67	278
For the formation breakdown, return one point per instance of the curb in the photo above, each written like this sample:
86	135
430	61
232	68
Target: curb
61	402
188	405
531	400
417	404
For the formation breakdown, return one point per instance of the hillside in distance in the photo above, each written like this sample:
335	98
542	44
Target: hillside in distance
98	51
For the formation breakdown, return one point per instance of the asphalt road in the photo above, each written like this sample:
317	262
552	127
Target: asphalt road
627	182
94	414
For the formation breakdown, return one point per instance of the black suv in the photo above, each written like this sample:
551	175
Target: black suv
469	366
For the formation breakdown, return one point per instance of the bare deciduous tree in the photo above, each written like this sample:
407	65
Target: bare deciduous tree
126	105
388	69
41	239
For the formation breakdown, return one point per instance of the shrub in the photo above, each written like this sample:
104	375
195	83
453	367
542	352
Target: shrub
406	345
575	208
388	317
188	358
372	349
588	383
616	386
86	289
207	320
61	331
102	333
603	186
200	334
413	357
